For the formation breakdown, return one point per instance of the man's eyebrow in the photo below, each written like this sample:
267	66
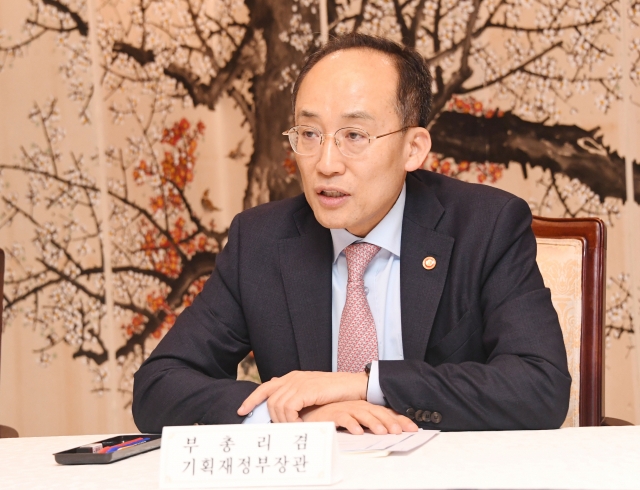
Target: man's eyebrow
358	115
306	113
346	115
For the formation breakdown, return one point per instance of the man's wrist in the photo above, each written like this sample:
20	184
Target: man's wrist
362	381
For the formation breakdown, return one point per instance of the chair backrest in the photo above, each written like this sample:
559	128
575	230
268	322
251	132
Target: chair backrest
571	257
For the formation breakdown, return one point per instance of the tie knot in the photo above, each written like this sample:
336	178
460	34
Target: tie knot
358	257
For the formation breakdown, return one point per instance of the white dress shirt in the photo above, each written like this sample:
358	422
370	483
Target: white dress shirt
382	286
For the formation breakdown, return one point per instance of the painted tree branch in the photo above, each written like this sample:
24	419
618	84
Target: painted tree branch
81	24
464	72
200	93
570	150
144	212
63	268
200	265
404	29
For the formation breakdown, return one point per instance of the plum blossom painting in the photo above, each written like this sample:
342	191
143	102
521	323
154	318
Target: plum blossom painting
134	130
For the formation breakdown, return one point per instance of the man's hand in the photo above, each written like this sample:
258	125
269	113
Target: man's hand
287	395
354	415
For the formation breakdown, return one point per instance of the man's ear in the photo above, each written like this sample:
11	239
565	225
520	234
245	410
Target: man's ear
419	141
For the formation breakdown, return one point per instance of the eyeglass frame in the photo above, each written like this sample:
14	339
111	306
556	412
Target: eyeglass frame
333	135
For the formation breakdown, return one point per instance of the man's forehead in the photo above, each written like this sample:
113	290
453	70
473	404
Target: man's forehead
356	78
355	61
358	62
358	52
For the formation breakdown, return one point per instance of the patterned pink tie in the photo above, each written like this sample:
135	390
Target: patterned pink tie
357	341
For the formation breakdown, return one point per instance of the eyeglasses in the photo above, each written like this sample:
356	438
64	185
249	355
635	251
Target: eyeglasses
307	140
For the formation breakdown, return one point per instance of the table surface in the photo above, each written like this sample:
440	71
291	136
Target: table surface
578	458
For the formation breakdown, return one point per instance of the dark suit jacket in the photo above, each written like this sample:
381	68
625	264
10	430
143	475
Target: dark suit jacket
482	343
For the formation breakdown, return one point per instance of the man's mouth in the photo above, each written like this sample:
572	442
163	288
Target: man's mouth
332	193
331	198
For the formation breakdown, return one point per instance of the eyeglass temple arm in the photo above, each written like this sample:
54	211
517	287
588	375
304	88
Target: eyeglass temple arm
392	132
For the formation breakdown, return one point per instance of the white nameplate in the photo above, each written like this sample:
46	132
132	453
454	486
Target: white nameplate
251	455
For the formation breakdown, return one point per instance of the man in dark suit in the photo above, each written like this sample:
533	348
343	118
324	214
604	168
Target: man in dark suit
386	296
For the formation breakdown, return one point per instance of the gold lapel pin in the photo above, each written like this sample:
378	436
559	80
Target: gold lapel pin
429	263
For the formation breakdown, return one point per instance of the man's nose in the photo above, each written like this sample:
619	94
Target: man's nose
330	161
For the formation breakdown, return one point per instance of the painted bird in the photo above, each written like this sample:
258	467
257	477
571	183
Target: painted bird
207	205
237	154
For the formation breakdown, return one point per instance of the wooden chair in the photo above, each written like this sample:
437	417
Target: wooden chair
572	260
4	430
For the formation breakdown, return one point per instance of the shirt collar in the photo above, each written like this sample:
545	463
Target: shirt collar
387	234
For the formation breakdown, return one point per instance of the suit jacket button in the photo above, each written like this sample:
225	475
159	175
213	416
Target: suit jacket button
426	415
419	415
410	413
436	418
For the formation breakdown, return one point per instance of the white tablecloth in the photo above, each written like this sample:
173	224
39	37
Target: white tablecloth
580	458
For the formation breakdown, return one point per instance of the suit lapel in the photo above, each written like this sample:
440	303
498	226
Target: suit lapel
305	263
421	289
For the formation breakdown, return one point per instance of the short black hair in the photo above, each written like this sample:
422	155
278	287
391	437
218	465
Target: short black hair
414	94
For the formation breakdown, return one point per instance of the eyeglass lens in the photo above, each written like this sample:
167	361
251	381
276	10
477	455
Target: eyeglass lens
307	140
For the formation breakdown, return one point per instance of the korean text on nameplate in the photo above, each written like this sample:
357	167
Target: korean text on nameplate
248	455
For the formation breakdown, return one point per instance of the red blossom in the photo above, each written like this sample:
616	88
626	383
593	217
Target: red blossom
175	171
485	172
470	105
289	163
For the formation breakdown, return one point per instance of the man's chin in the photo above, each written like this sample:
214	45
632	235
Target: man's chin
330	219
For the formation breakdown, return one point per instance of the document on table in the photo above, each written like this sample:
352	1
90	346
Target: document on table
406	441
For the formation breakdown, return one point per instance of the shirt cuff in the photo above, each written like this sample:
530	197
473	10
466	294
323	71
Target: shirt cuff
374	392
259	415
